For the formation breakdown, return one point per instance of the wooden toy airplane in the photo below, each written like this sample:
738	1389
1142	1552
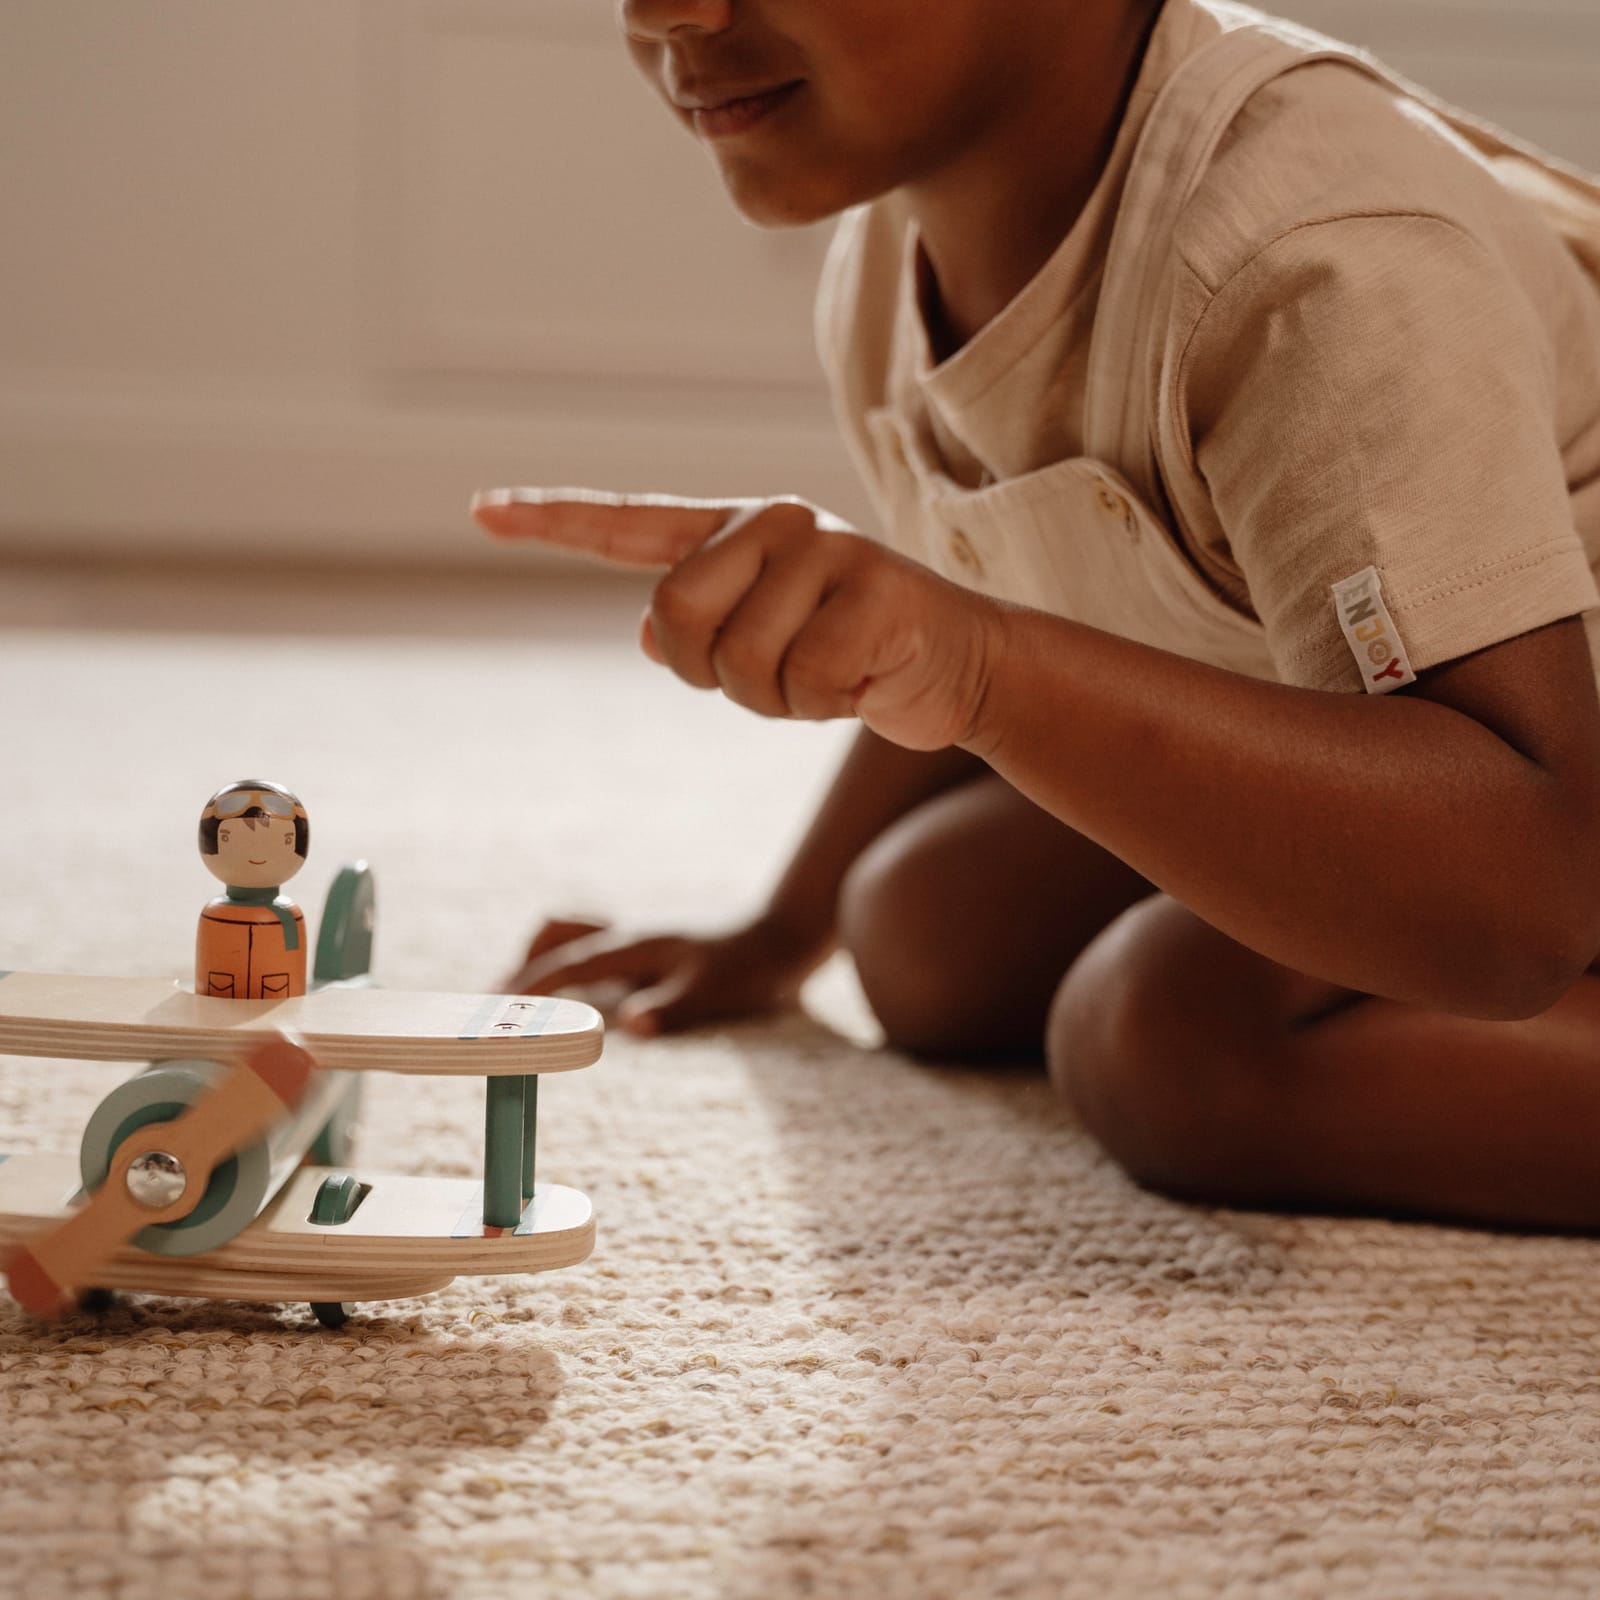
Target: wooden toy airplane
190	1177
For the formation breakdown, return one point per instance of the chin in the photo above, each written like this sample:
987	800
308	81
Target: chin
765	214
768	201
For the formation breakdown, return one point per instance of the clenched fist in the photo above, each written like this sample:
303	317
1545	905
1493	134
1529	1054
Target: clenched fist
781	606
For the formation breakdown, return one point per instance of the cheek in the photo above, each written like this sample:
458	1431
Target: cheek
914	70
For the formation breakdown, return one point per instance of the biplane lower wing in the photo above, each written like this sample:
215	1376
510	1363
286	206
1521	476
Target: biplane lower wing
406	1236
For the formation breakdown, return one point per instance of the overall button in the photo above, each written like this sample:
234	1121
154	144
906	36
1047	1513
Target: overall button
962	553
1114	505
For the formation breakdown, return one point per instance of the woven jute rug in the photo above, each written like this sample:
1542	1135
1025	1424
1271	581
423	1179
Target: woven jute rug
853	1327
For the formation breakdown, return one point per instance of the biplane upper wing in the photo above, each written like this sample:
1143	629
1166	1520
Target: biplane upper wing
347	1028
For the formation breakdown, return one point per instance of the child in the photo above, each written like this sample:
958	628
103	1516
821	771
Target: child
1204	377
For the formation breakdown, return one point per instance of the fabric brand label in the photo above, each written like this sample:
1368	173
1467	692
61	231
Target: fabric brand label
1370	632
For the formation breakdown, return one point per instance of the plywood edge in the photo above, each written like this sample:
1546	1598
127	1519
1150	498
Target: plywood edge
408	1227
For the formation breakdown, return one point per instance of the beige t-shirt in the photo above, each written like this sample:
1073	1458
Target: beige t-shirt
1375	355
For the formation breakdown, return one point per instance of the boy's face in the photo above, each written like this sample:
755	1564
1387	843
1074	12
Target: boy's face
873	93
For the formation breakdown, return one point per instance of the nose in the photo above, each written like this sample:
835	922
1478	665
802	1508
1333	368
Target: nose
655	21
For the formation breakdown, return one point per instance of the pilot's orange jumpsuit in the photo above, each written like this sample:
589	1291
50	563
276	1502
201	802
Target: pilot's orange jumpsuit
246	951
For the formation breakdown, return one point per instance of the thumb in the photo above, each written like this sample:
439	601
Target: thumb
558	931
665	1007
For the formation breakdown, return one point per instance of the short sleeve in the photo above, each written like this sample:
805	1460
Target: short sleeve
1376	391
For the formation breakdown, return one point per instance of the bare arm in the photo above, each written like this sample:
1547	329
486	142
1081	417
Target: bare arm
677	980
878	782
1440	845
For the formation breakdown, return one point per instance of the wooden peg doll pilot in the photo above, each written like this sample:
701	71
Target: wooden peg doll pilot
252	940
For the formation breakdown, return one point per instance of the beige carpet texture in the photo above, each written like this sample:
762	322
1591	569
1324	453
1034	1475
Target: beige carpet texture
852	1326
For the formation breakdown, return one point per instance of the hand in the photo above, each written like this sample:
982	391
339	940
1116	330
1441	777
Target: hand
782	606
672	981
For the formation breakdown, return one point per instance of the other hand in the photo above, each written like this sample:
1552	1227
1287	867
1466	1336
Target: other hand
670	981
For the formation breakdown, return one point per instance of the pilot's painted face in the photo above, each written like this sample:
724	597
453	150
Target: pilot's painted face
254	850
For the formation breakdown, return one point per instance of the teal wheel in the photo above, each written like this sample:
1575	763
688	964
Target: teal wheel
162	1092
337	1198
338	1195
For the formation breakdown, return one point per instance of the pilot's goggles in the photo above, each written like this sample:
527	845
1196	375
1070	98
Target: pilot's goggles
236	804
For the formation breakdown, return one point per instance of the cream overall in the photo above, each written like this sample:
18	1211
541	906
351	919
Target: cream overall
1084	527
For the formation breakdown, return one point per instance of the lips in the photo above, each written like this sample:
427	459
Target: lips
697	96
716	112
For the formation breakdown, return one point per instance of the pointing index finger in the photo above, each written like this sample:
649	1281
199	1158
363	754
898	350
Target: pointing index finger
636	530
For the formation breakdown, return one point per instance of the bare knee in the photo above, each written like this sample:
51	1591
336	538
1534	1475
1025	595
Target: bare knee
1097	1048
895	928
963	915
1128	1047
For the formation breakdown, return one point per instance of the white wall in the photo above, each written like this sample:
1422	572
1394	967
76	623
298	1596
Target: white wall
316	269
311	270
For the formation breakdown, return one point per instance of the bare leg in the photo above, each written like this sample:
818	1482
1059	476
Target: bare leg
1213	1073
963	915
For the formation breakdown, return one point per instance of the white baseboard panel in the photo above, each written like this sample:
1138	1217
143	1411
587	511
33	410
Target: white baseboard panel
318	477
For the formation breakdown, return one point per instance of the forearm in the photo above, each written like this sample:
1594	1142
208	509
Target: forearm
877	783
1392	845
